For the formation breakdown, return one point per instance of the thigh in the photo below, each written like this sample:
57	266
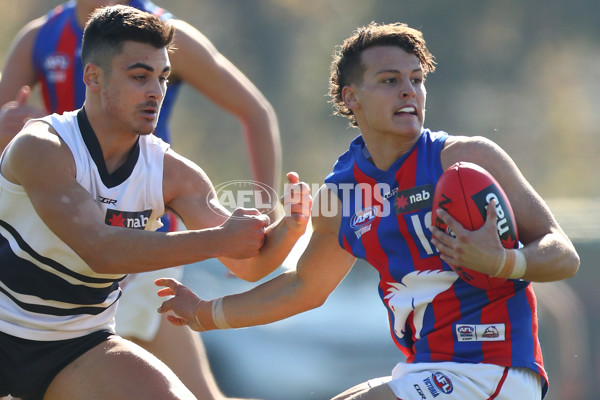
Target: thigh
117	369
182	350
375	389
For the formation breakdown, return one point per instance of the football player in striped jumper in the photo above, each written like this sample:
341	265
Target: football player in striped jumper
459	341
47	51
81	194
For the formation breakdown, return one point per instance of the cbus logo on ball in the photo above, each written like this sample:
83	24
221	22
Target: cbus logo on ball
505	224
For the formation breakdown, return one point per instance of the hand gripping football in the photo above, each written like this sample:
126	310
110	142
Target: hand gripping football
464	190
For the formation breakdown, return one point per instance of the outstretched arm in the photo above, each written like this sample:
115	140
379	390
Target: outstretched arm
320	269
548	252
197	62
39	161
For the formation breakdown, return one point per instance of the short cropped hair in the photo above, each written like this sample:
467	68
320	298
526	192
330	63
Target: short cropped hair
109	27
347	68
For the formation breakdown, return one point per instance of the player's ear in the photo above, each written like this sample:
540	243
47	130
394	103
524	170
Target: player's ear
91	76
349	97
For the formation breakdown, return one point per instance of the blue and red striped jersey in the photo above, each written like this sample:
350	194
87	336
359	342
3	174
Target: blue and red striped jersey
57	61
433	314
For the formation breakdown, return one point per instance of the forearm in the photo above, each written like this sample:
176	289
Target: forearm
275	300
131	251
264	147
550	258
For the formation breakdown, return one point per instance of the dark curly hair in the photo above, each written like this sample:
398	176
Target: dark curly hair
109	27
347	68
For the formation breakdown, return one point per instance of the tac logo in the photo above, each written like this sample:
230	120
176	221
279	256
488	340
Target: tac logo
56	66
442	382
363	218
244	193
491	332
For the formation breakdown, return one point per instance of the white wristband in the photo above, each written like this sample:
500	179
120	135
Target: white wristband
218	314
520	265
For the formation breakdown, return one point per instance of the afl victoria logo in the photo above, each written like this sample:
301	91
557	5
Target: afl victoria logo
56	66
363	218
465	330
443	382
243	193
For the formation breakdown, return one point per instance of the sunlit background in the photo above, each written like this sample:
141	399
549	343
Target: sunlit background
525	74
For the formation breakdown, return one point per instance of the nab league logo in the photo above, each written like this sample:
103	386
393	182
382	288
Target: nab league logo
127	219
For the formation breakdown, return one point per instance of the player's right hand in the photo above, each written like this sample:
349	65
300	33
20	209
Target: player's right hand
245	233
185	304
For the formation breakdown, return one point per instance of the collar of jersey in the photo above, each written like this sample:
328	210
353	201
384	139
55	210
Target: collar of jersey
91	142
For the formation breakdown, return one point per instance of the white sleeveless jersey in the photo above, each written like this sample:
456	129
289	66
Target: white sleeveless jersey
47	292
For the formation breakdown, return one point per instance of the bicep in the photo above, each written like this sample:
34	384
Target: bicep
43	165
532	215
188	191
323	265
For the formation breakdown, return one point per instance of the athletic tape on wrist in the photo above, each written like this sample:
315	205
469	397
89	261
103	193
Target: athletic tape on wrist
500	264
520	265
515	265
218	314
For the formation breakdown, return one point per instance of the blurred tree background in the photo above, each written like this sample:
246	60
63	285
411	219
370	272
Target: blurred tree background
525	74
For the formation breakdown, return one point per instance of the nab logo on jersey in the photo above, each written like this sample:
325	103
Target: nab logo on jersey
56	66
363	218
127	219
414	199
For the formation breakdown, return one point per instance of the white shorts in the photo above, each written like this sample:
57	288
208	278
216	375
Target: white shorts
136	313
460	381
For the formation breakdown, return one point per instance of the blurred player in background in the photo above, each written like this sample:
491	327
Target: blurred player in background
47	52
459	340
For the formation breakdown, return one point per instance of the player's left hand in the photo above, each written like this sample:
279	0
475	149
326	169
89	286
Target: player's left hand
479	250
297	203
188	307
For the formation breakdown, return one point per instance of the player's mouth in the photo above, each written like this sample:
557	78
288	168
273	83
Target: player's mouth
407	110
151	111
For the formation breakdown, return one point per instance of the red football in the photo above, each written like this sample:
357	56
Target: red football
464	190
